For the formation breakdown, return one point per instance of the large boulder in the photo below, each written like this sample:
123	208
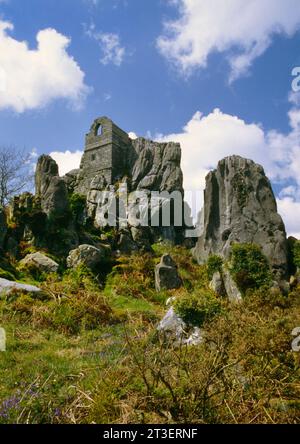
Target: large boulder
89	256
239	206
166	274
39	262
50	188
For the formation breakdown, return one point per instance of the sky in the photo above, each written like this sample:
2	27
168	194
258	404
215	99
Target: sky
220	77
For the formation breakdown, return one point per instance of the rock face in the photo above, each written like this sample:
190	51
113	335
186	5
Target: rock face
87	255
111	155
41	262
50	188
239	206
3	227
166	274
111	158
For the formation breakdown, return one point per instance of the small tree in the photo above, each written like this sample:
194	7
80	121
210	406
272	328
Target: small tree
15	172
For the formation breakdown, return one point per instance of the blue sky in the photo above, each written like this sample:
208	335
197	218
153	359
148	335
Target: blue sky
215	78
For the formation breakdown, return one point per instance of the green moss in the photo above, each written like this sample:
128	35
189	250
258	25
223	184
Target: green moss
241	188
214	264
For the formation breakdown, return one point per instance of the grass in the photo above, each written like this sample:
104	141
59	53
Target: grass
90	352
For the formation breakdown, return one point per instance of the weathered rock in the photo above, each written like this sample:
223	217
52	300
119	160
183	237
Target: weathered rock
126	245
172	324
295	279
40	262
166	274
50	188
223	285
239	206
7	287
156	166
142	237
176	330
231	288
217	284
110	158
89	256
3	227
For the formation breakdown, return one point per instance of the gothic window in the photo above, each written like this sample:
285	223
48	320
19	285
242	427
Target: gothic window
99	130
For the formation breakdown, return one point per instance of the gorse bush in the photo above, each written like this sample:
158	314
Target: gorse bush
214	264
249	267
198	308
296	254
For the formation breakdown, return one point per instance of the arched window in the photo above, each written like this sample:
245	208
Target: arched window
99	130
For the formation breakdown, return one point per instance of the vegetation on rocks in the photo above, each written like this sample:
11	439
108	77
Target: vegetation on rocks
214	265
249	267
195	309
90	352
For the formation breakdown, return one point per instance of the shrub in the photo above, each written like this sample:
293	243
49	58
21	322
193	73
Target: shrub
85	311
249	267
77	205
214	264
296	254
194	310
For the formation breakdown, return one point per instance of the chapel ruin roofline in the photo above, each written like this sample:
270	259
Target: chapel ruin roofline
104	131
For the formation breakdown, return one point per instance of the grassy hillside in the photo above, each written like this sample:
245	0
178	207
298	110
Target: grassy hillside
89	353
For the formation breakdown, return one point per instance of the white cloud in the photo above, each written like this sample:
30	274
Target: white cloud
66	160
290	211
240	29
132	135
32	79
112	50
207	139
